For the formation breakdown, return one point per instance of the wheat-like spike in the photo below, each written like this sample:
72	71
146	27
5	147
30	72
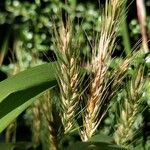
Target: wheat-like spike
10	134
130	110
120	72
69	95
124	131
36	123
51	136
101	55
68	73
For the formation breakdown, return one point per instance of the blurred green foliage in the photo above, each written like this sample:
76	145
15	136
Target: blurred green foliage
31	22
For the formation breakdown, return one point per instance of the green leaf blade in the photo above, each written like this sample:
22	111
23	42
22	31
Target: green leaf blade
19	91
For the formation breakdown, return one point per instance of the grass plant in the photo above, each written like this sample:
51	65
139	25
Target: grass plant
130	108
68	72
101	55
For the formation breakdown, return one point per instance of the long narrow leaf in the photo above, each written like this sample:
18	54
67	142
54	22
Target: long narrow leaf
19	91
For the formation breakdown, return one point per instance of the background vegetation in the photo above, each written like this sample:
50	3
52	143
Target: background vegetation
96	64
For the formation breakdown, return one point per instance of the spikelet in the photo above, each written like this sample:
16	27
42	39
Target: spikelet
51	135
130	110
36	123
68	73
101	55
